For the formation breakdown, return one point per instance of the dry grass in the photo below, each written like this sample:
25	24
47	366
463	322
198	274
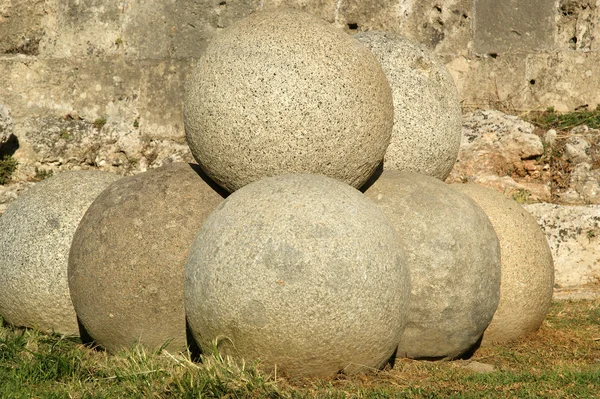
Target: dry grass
562	360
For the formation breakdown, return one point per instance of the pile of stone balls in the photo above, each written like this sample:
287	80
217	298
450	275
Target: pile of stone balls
267	250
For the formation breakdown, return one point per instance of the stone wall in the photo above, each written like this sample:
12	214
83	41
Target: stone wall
67	66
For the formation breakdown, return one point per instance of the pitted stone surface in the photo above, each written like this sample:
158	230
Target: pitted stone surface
301	271
427	114
453	258
6	125
128	256
282	92
527	270
35	237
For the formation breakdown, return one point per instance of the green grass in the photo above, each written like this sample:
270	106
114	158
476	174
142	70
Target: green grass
550	119
561	360
99	123
8	165
42	174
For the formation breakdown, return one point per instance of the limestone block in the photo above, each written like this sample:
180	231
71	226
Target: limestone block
577	27
453	258
127	261
356	15
513	26
491	81
494	147
427	115
299	271
564	80
443	25
35	237
6	125
21	26
138	30
527	270
325	10
573	233
266	100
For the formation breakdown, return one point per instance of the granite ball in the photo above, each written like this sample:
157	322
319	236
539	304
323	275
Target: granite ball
301	272
283	92
126	265
527	268
454	261
35	237
427	113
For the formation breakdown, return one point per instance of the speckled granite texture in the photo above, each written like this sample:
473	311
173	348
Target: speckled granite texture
427	113
301	271
35	237
454	261
128	256
283	92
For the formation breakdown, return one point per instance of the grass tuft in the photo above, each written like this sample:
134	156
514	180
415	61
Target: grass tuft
561	360
550	119
8	165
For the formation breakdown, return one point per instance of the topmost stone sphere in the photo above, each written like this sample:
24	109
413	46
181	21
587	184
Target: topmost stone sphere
283	92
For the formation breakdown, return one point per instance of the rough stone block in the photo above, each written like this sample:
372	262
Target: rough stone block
565	80
513	26
441	25
495	82
21	27
573	233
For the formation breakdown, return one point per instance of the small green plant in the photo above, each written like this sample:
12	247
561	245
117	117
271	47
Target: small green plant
551	119
65	135
99	123
8	165
136	123
521	196
591	234
133	161
119	42
41	174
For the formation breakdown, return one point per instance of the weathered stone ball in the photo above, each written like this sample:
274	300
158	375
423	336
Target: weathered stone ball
301	272
35	237
283	92
427	113
527	268
127	261
454	261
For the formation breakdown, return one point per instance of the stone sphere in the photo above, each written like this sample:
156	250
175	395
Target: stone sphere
427	113
127	261
527	268
301	272
35	237
454	261
283	92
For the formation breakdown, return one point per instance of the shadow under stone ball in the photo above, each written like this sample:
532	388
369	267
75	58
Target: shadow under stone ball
427	114
454	260
35	237
526	266
283	92
127	261
302	272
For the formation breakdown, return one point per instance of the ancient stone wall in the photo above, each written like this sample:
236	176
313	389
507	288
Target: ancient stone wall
108	76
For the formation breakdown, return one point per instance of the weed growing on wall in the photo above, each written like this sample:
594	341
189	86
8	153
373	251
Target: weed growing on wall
550	119
8	165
